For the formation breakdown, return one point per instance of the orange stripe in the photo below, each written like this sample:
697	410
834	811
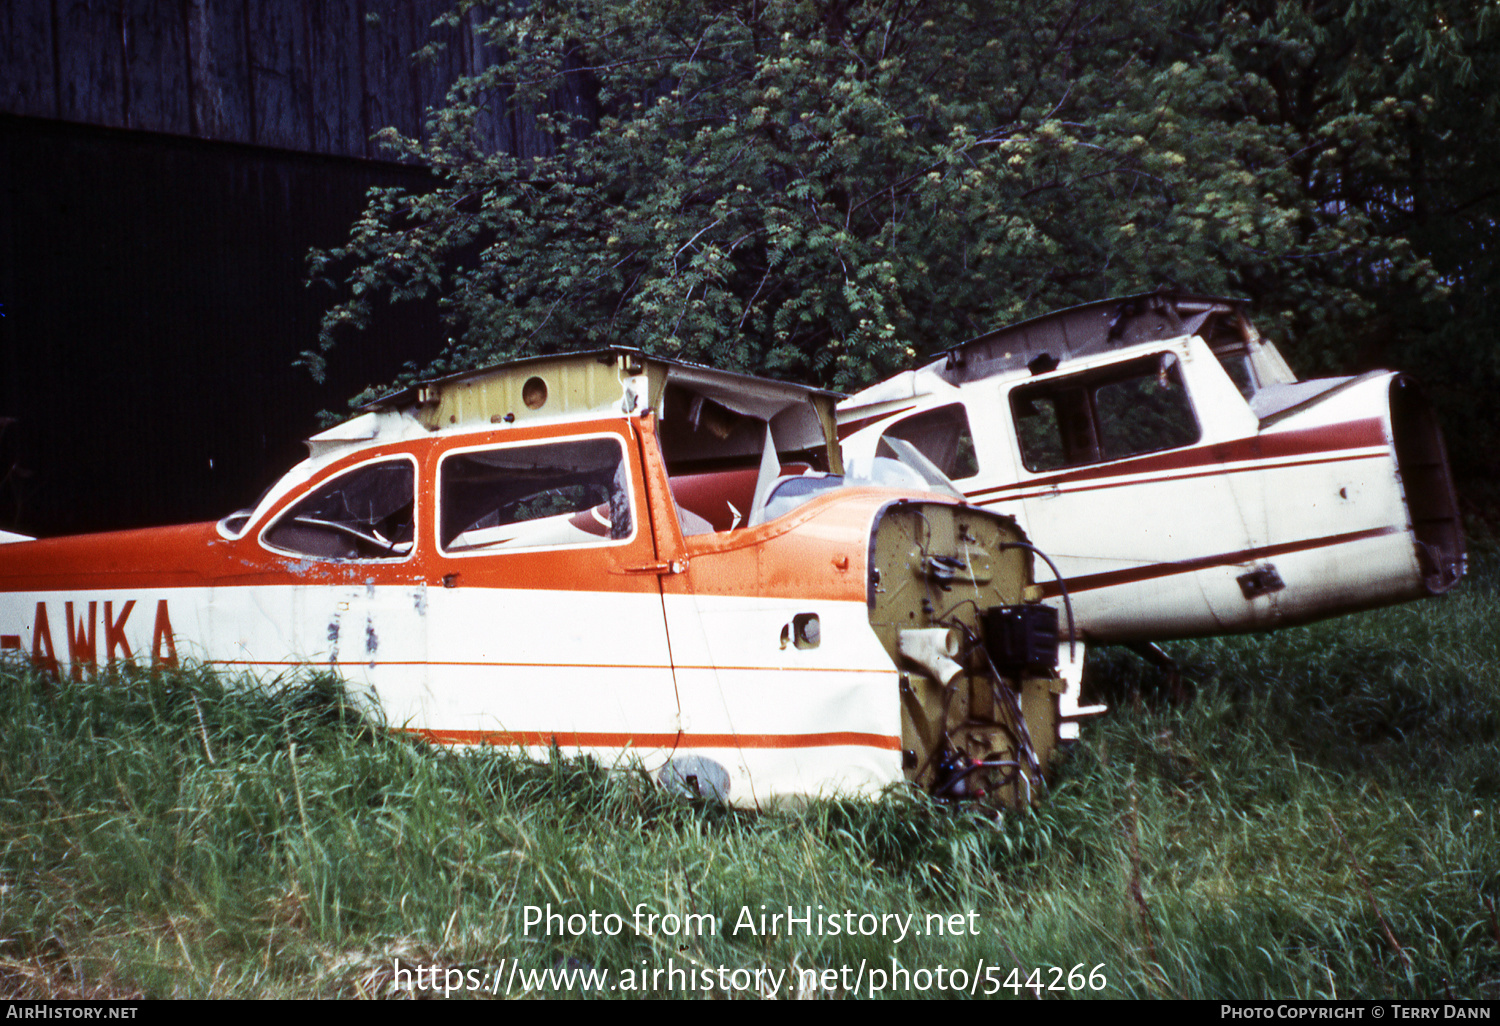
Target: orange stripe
551	666
580	739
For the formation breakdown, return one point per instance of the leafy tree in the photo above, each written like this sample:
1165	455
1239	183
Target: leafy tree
827	190
1388	109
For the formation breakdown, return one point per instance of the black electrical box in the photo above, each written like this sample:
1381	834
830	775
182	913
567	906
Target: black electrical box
1021	637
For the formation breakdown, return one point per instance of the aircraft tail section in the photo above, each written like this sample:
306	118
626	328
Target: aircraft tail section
1431	500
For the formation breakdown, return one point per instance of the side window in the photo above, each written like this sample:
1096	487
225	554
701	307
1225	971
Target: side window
943	436
1237	366
364	514
1125	410
534	496
1054	427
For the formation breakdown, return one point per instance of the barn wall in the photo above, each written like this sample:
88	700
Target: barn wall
165	165
151	307
319	77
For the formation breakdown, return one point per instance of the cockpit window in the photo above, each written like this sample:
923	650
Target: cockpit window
366	513
943	436
534	496
1108	414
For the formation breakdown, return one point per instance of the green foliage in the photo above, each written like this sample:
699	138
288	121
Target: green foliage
827	189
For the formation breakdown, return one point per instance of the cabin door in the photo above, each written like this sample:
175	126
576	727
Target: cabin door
344	591
1122	488
545	619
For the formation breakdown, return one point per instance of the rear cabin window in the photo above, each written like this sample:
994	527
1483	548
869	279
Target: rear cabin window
366	513
1237	366
1125	410
534	496
943	436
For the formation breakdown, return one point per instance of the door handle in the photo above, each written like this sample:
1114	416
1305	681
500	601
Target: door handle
671	566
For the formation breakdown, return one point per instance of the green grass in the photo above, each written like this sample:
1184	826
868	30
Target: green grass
1321	821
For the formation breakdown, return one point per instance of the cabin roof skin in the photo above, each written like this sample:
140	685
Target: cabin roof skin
1093	331
614	382
1090	329
597	381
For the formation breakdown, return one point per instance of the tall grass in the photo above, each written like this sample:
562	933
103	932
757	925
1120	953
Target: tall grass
1320	822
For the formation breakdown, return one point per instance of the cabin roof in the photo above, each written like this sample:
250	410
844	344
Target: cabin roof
614	381
1090	329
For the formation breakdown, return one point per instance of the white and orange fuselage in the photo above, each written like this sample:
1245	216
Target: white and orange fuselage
530	583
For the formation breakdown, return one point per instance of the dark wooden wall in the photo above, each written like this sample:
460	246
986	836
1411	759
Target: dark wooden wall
319	76
165	165
151	307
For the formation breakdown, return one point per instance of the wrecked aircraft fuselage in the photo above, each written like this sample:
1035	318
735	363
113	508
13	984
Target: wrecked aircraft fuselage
650	562
1180	476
